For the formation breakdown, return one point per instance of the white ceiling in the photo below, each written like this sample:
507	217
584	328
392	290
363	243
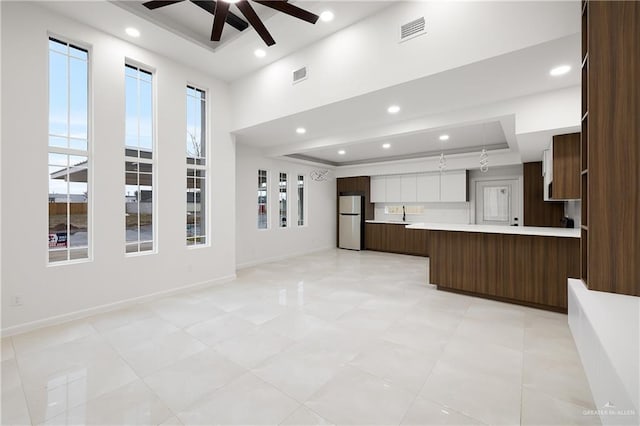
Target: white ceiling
232	59
462	139
513	75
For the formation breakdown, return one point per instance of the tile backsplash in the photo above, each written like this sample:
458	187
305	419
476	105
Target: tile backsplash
425	212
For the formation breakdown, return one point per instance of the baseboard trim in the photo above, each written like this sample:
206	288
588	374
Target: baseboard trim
246	265
84	313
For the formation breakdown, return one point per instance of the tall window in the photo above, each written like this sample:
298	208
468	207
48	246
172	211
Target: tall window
196	166
282	192
68	152
301	211
138	153
263	187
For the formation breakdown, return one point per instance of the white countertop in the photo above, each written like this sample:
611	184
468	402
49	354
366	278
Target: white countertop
390	222
494	229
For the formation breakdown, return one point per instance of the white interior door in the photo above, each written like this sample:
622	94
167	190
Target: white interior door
498	202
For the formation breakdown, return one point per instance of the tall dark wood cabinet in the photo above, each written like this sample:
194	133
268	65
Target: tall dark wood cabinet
538	212
566	167
610	145
357	185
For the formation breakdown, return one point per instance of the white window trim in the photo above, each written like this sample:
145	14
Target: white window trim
305	202
288	193
207	168
153	161
269	214
88	153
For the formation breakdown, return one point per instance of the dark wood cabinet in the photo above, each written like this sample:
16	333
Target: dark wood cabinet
566	167
611	146
392	238
538	212
357	185
523	269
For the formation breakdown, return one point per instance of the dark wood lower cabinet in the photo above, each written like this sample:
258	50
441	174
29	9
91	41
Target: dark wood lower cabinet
523	269
393	238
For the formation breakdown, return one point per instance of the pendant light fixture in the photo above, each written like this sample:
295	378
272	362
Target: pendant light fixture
484	157
442	164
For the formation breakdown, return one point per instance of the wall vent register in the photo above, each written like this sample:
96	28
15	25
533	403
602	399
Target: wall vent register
300	75
413	29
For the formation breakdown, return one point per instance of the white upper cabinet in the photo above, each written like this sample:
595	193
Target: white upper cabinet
428	187
453	186
450	186
378	189
394	189
408	188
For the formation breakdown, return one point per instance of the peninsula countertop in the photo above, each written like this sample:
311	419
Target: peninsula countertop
495	229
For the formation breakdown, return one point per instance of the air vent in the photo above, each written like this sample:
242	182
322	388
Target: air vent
299	75
413	29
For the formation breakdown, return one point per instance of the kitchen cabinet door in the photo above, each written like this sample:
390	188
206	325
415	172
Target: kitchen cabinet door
428	188
453	186
378	189
394	189
408	188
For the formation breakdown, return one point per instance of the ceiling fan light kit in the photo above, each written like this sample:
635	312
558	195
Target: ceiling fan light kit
222	14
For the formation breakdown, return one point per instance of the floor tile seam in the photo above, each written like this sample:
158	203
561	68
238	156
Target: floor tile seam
266	360
21	386
455	410
385	379
31	351
556	397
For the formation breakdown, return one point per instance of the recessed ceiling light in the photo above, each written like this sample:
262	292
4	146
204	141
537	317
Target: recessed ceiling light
562	69
301	130
386	145
444	137
327	16
231	1
133	32
393	109
259	53
342	152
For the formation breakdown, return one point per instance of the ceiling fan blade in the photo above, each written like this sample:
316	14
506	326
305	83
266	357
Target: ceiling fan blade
220	15
255	21
291	10
159	3
232	19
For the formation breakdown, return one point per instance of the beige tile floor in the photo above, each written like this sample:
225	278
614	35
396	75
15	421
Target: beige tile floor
336	337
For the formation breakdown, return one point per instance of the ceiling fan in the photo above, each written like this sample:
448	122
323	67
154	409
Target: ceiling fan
221	14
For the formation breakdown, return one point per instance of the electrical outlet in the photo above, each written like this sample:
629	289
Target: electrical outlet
17	301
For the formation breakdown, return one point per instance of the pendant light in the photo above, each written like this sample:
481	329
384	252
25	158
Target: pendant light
484	157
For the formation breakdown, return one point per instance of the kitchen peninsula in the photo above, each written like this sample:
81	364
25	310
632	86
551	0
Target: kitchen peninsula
523	265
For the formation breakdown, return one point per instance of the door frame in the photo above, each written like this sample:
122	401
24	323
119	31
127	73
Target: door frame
472	194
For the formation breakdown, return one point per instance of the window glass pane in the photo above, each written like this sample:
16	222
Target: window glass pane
78	100
68	174
262	199
196	221
146	115
139	233
300	200
283	199
58	94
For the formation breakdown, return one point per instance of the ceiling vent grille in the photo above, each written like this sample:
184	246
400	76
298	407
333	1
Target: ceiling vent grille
413	29
300	75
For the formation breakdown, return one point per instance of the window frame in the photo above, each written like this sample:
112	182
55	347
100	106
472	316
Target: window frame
267	200
154	159
287	192
305	191
206	168
88	153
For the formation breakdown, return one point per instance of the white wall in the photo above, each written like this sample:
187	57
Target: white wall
259	245
50	291
349	63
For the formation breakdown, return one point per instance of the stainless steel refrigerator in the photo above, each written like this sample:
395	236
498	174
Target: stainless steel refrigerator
350	223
